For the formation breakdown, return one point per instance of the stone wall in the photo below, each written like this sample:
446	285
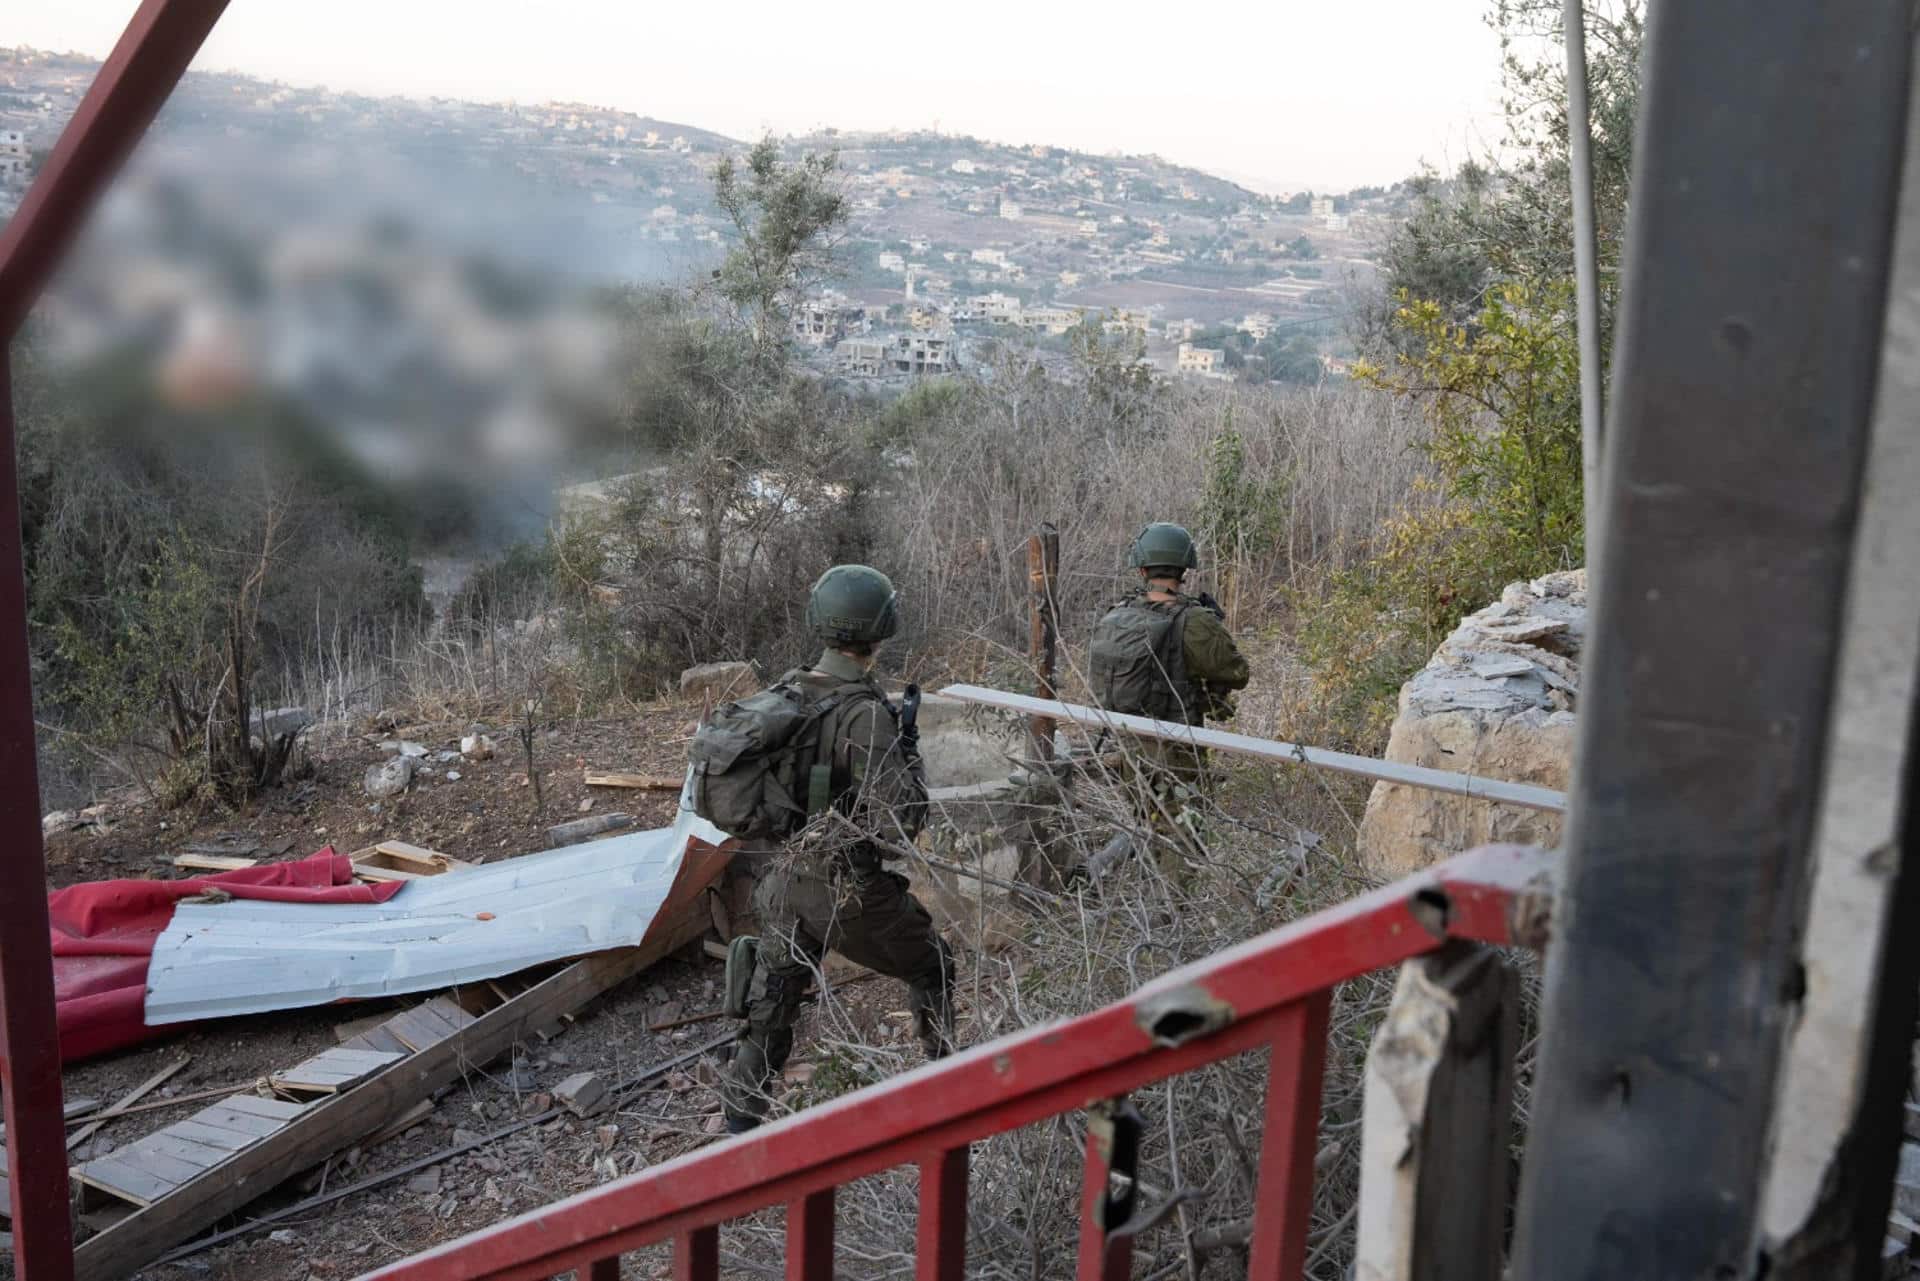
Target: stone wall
1497	699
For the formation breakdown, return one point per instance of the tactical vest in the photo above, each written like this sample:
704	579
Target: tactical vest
1138	663
763	765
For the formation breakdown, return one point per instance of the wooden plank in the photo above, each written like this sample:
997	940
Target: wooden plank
1525	795
456	1014
345	1119
639	782
420	1027
373	872
334	1066
353	1028
400	1124
157	1162
366	1060
244	1123
183	1148
416	858
129	1183
212	862
271	1109
210	1136
132	1096
380	1038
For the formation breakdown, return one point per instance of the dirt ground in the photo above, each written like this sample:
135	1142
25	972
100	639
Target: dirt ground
488	813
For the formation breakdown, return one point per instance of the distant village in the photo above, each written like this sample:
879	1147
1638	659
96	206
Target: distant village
955	242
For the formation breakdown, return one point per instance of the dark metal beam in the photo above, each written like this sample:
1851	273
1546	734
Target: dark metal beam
1765	181
29	1047
133	83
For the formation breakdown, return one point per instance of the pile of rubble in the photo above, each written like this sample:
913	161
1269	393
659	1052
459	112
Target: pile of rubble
1497	699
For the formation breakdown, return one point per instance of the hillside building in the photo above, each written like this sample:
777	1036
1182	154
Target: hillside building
1203	361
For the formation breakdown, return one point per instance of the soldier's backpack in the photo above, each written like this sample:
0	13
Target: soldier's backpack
759	771
1138	664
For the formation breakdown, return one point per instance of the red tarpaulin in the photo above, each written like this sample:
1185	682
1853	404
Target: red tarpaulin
103	935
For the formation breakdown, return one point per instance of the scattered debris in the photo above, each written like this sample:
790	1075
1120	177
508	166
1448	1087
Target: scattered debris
389	778
477	747
284	1236
212	862
582	828
607	1136
399	861
389	1176
427	1182
639	782
584	1094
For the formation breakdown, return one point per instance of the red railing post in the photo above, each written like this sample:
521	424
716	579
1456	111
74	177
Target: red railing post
942	1231
1283	1204
696	1255
810	1237
1108	1190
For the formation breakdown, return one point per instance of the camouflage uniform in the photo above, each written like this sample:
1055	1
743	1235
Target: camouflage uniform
844	900
1175	771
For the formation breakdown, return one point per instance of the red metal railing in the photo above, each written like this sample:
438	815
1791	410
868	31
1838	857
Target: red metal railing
1272	992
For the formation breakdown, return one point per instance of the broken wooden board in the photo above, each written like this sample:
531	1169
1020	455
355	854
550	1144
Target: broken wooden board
332	1071
212	862
163	1162
638	782
401	861
339	1122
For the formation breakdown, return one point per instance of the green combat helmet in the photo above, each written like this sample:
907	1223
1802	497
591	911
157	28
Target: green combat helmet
1164	546
853	605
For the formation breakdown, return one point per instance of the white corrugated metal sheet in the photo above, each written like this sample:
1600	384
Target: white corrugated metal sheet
247	956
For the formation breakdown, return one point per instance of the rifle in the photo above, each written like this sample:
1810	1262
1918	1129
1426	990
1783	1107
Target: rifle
1206	599
910	719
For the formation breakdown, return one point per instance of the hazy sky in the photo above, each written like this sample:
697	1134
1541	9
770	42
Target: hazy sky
1284	95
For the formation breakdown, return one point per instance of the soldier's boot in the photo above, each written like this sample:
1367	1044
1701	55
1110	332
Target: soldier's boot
932	1006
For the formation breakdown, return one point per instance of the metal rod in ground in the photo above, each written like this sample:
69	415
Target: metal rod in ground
1525	795
414	1167
1586	274
1043	568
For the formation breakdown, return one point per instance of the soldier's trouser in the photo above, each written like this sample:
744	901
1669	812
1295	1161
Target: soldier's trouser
868	918
1172	773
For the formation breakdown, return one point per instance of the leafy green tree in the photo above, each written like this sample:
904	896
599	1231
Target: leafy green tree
1501	402
787	221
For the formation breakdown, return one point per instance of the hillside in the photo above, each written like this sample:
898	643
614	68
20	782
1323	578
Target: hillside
617	195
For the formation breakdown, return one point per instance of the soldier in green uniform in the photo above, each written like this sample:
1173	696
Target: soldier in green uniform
840	896
1164	654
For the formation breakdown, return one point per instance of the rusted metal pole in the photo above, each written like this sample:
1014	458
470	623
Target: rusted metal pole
29	1043
1043	569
